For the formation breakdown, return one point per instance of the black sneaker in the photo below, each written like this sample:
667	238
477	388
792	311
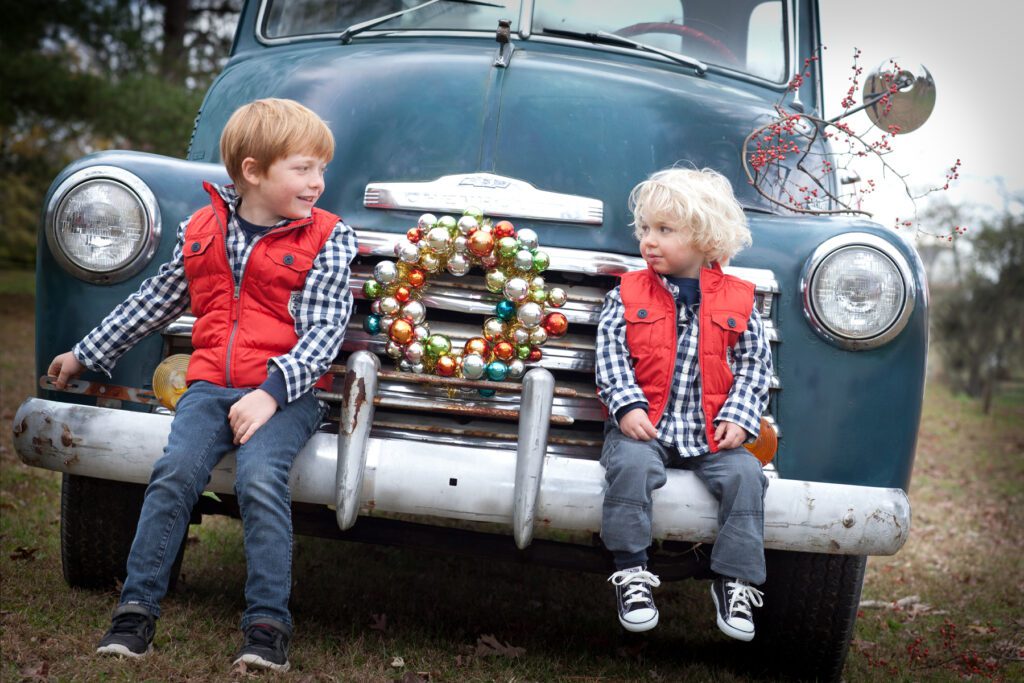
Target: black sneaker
636	603
733	599
131	633
265	647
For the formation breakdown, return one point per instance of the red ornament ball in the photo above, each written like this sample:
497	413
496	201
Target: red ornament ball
504	350
414	235
555	324
478	345
401	331
402	293
416	277
535	355
481	243
504	229
445	366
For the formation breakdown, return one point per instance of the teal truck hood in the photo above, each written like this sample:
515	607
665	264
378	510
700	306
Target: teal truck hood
412	110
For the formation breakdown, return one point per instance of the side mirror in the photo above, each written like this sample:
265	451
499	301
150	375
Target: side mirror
897	96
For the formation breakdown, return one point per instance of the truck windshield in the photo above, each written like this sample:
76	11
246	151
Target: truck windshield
746	35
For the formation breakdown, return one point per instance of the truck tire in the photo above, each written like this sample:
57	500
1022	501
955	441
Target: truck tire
97	526
809	613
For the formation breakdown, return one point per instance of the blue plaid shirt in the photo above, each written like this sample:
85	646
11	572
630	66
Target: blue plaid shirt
321	310
682	424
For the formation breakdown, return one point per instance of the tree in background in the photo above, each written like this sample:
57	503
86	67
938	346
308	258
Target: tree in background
977	319
79	76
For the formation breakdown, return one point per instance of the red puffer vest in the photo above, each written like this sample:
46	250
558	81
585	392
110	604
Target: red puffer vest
240	327
725	306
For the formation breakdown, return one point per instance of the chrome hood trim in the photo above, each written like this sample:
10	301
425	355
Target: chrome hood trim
495	195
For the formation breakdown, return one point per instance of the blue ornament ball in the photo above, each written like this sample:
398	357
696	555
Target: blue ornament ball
505	309
371	324
487	393
497	371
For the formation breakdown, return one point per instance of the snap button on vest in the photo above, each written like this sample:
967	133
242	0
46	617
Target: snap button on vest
732	322
289	259
195	246
642	313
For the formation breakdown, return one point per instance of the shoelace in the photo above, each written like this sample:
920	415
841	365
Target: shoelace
258	634
130	623
742	596
641	581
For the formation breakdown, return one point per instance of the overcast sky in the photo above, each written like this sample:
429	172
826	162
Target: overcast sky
972	50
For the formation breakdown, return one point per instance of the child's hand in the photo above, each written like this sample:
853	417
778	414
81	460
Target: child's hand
63	368
636	425
249	413
729	435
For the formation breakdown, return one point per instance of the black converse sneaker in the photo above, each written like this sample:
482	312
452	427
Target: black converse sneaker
636	603
131	633
733	599
265	646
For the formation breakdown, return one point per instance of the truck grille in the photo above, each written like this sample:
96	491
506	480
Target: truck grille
457	308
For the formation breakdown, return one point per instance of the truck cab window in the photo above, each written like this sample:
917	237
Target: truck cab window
287	18
746	36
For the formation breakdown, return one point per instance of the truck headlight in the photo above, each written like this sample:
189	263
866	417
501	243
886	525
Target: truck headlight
858	290
103	224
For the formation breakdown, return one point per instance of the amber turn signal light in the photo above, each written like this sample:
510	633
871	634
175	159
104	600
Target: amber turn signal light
169	379
767	443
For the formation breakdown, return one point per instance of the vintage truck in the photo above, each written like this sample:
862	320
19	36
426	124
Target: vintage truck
544	112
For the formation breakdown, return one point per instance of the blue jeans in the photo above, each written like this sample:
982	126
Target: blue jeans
635	469
200	437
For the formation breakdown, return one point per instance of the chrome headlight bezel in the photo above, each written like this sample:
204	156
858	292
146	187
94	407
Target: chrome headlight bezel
151	229
886	249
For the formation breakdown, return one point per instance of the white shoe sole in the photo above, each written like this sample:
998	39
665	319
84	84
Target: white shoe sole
724	627
639	627
257	662
121	651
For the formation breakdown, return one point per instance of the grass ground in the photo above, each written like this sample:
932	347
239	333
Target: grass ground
947	607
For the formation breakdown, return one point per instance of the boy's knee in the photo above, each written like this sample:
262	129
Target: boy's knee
260	483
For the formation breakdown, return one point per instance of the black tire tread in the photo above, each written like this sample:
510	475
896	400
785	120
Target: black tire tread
97	526
809	613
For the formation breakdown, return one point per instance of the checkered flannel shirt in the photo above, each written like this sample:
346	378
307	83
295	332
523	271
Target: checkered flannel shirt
321	311
682	424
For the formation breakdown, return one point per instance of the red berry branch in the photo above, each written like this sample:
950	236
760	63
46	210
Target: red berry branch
804	163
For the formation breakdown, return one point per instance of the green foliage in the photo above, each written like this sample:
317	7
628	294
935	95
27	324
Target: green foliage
978	322
80	76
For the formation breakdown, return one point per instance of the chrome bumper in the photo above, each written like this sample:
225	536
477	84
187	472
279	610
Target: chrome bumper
361	474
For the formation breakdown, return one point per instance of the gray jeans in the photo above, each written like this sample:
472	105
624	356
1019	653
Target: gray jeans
634	469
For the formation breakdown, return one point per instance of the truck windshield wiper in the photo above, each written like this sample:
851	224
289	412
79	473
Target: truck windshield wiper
603	37
355	29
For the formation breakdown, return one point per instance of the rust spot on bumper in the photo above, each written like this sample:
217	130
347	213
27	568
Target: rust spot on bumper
66	438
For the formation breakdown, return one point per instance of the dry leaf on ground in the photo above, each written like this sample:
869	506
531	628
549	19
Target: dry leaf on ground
488	646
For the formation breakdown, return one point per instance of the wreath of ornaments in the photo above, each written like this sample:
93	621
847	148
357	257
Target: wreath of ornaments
523	319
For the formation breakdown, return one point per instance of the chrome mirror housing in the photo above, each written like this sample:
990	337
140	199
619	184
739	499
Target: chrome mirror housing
908	106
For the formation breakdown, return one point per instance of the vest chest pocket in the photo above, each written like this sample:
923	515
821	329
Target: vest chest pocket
196	246
731	323
287	266
193	251
644	328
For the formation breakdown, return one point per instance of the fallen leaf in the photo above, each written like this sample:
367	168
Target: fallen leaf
633	651
418	677
24	553
36	671
488	646
398	662
862	645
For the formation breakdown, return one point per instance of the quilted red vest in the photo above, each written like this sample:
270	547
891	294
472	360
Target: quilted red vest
239	327
725	305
